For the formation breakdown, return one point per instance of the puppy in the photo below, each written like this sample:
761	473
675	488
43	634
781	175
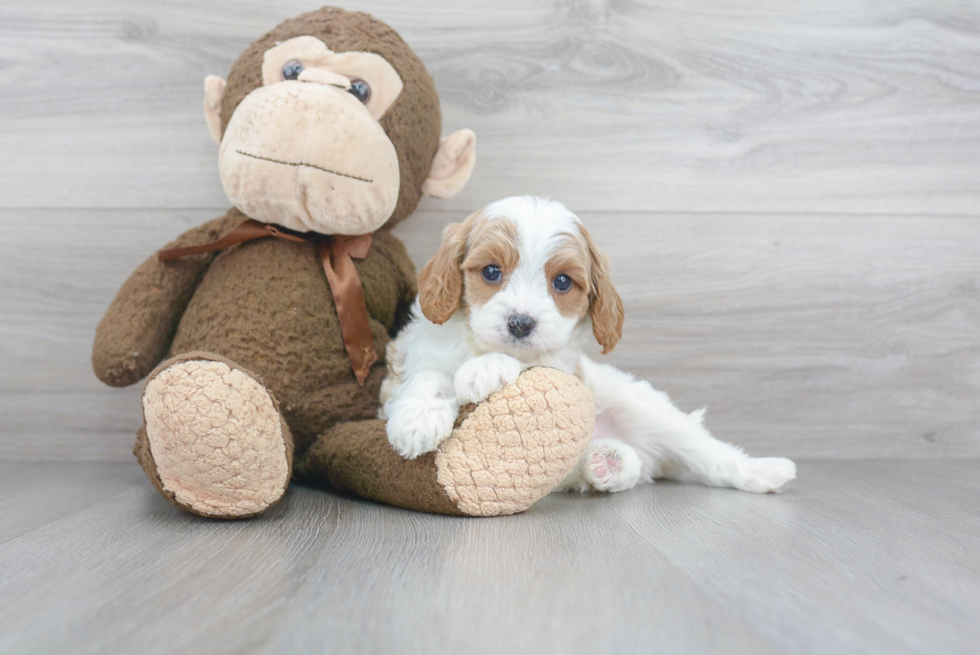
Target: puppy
521	283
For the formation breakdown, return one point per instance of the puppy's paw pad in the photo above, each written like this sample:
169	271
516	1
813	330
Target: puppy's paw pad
767	475
604	465
611	467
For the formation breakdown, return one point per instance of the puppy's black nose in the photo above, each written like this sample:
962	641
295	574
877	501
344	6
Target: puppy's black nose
520	325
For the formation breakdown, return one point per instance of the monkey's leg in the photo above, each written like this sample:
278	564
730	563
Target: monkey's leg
504	455
213	441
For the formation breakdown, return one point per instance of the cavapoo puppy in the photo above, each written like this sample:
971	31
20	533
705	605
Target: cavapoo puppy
521	283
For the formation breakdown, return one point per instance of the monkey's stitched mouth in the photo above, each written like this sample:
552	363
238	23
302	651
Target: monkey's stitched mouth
313	166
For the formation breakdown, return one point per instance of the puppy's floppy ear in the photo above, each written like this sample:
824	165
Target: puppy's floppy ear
605	305
441	279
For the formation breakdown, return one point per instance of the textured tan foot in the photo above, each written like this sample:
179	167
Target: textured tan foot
516	447
216	439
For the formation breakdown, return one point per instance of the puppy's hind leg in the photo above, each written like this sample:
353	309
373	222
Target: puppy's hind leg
607	465
662	435
610	465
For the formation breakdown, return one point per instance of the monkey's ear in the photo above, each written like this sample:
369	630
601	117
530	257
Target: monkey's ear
214	93
452	165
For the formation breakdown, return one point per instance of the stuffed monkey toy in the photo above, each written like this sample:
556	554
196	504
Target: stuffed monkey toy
262	334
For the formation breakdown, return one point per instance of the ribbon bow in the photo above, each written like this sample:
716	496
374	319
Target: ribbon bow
337	253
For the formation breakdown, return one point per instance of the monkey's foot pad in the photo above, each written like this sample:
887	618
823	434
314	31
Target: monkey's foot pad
216	439
516	447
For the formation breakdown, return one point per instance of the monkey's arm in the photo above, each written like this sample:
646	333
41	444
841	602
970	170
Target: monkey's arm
137	329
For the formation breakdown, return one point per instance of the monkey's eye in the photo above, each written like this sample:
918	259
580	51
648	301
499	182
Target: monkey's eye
360	90
491	273
291	69
562	283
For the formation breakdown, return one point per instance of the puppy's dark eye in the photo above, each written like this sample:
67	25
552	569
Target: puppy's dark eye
491	273
562	283
291	69
360	90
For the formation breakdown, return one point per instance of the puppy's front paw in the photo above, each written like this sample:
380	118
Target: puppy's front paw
479	377
418	428
766	475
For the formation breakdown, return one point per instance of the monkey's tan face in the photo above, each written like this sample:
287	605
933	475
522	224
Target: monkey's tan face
306	150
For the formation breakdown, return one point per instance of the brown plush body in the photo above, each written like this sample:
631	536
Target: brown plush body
266	306
255	375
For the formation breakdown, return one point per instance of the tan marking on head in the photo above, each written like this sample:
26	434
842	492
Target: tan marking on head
606	305
441	280
572	259
492	242
441	283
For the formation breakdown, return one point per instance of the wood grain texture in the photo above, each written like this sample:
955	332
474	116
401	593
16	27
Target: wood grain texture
806	336
36	493
662	105
866	556
788	193
802	181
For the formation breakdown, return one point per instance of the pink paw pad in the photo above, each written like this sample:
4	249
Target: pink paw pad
605	465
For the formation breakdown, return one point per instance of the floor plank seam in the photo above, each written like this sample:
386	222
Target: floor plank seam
59	517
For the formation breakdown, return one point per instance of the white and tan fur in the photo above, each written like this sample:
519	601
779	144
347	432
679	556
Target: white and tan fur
459	348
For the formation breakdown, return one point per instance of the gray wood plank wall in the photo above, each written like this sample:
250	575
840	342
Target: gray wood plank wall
788	194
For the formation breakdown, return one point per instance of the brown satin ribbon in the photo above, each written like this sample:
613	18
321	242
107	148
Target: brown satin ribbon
337	254
247	231
348	297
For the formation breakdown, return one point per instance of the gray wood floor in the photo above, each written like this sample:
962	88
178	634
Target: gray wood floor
855	557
